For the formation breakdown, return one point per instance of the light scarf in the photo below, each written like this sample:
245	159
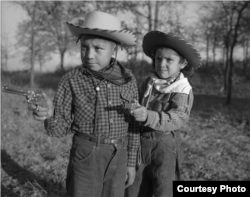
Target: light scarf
180	86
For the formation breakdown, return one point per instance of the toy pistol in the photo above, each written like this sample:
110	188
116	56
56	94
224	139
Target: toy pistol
32	96
132	105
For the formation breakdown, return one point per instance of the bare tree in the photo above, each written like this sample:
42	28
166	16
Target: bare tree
244	38
226	18
29	26
236	9
5	49
56	13
32	58
149	16
246	55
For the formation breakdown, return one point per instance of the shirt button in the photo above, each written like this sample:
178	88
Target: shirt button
111	120
109	85
110	102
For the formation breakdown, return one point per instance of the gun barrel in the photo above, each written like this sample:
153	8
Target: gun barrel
12	90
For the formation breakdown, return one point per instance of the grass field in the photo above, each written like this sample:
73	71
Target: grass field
216	139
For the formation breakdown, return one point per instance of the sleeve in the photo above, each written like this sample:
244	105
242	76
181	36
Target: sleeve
173	118
60	123
133	132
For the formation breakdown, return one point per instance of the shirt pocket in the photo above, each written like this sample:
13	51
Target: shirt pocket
84	106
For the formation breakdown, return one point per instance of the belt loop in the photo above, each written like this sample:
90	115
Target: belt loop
173	133
98	140
153	135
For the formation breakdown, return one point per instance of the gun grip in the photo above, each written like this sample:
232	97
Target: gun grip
41	102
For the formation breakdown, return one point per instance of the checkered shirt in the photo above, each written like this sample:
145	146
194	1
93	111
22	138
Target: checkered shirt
75	108
166	111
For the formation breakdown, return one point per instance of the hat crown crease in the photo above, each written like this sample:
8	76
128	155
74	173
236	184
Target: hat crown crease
102	24
100	20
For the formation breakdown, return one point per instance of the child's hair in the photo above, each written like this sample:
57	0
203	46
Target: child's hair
188	70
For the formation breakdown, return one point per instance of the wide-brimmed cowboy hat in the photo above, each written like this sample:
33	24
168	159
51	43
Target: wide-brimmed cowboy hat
155	39
104	25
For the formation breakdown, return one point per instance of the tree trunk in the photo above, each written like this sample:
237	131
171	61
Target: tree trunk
226	69
150	25
246	46
157	6
135	52
32	57
214	54
62	60
223	58
229	77
41	65
230	69
207	50
6	56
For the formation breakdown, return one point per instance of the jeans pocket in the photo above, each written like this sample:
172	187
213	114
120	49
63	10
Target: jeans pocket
168	142
145	151
82	152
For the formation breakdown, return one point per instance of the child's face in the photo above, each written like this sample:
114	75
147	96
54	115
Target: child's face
96	52
167	63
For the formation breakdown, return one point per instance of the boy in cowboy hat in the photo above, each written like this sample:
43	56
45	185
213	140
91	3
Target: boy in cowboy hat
166	101
89	102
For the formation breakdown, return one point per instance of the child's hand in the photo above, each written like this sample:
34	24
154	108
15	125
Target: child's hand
42	112
140	114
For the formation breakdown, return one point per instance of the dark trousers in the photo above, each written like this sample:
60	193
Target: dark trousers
159	168
96	171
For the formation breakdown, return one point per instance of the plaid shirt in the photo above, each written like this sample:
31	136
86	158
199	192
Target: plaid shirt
75	109
166	111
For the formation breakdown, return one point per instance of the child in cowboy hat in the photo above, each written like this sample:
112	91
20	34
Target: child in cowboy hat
89	102
166	101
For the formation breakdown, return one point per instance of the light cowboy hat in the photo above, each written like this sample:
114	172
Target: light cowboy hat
105	25
155	39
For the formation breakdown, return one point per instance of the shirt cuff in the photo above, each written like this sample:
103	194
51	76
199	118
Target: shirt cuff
50	124
152	119
132	156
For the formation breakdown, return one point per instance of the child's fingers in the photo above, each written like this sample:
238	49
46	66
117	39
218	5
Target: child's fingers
137	104
140	113
41	114
36	117
37	107
138	110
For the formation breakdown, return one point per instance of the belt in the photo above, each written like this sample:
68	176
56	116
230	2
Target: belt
155	134
101	140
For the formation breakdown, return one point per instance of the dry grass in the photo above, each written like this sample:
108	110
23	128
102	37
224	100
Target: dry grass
216	142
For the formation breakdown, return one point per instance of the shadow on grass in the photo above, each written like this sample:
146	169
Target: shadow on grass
23	176
49	80
205	105
5	192
22	79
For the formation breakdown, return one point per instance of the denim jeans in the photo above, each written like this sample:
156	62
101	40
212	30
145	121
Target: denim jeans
154	177
96	171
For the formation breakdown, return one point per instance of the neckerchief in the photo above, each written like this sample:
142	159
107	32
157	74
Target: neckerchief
165	86
114	73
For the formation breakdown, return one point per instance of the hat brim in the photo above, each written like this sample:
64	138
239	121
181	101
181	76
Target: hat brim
123	37
156	39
